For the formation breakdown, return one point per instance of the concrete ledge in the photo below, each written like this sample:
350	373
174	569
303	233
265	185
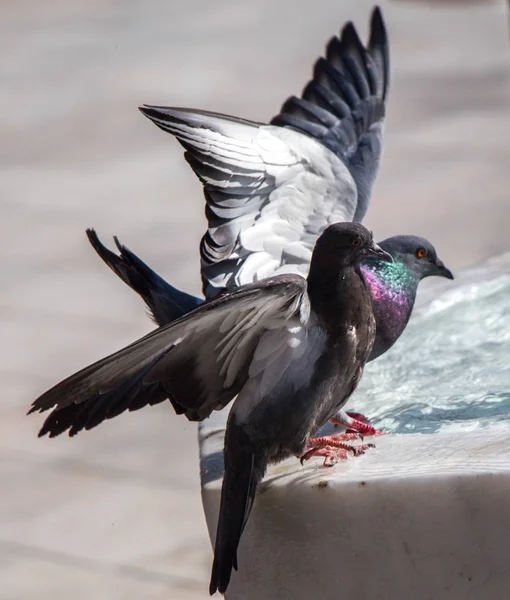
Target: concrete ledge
420	516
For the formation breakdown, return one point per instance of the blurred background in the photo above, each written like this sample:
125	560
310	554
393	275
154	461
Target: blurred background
116	512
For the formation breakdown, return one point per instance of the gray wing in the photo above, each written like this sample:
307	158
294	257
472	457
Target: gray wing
272	189
270	192
200	362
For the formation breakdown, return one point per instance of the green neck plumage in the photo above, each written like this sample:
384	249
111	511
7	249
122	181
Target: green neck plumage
394	281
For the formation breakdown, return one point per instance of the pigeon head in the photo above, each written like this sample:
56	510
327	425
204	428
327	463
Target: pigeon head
349	244
417	254
393	286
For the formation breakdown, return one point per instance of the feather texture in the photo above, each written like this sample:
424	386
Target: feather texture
213	344
270	193
272	189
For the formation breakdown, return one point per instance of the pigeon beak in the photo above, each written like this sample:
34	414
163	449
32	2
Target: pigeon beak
442	270
376	250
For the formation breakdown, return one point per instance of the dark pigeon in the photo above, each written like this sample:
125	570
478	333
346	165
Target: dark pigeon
291	350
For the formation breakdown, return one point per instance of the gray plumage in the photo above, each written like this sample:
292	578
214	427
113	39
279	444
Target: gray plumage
272	189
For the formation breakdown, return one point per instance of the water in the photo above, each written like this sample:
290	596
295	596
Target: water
450	371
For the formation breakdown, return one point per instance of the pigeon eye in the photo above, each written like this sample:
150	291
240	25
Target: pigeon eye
355	242
420	253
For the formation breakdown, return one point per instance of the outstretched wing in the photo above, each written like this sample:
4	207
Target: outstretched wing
200	362
272	189
270	193
343	106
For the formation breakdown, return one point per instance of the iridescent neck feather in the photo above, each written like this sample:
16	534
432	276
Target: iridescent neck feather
392	287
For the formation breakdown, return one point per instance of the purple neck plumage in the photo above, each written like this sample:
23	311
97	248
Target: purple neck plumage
392	287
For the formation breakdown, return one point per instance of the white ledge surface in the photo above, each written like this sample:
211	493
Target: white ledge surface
419	517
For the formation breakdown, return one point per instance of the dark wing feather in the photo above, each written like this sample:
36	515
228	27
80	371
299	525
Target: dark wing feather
131	395
200	362
343	106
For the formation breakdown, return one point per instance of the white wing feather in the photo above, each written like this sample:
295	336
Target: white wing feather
271	190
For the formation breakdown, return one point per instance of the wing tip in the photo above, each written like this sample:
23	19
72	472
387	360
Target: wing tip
379	43
41	404
378	31
376	19
349	37
152	112
144	109
164	115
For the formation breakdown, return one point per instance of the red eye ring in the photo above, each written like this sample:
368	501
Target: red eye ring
355	242
421	252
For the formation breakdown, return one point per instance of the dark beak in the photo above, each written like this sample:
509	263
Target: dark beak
375	250
442	271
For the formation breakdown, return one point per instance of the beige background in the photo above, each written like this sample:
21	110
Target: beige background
116	513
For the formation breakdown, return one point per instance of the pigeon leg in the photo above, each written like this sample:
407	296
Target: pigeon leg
334	448
355	422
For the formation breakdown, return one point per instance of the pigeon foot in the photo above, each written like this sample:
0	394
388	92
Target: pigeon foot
334	448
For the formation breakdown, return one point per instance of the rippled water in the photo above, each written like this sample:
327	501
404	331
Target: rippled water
451	368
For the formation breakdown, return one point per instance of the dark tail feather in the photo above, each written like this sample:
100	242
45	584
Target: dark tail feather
165	302
243	472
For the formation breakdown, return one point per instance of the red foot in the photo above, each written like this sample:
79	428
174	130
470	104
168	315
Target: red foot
355	422
331	455
334	448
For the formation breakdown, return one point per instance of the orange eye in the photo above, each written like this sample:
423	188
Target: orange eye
355	242
420	253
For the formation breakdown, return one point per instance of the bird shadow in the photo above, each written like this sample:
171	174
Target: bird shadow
211	467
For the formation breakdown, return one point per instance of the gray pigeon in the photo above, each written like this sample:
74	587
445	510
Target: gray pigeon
291	350
271	190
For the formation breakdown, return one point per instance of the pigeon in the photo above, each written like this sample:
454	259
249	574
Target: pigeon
290	350
392	288
271	190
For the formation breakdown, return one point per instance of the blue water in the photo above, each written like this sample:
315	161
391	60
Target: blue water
450	371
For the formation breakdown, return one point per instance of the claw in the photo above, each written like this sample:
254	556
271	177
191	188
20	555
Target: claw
355	422
334	448
331	455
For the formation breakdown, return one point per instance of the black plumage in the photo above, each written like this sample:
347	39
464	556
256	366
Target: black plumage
291	350
165	302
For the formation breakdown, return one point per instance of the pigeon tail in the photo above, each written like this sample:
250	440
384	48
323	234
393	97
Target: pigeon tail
164	302
244	469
